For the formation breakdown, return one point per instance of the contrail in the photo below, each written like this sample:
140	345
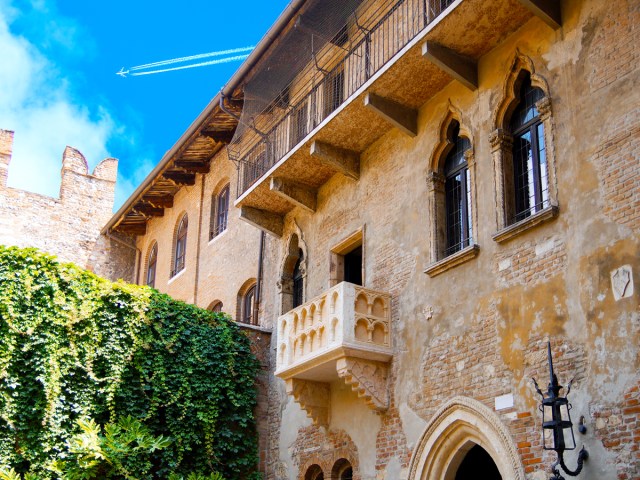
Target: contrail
192	57
202	64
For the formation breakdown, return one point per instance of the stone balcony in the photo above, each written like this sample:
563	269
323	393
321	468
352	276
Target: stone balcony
342	335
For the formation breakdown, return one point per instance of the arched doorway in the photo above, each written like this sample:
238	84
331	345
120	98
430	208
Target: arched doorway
477	463
463	439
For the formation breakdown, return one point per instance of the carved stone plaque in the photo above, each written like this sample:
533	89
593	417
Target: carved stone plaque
622	282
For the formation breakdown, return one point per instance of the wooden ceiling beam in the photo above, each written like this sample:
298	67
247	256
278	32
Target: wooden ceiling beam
161	201
180	178
132	228
149	210
221	136
192	167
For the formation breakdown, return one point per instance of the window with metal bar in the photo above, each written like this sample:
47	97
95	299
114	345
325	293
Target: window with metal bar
180	248
151	265
530	174
457	195
219	212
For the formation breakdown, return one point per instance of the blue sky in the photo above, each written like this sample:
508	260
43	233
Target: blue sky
58	86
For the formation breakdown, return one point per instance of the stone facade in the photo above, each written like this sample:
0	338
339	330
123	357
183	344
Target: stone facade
68	226
468	330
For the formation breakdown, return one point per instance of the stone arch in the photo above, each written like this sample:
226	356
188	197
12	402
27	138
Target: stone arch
246	287
152	251
182	221
520	66
453	114
501	139
453	430
295	247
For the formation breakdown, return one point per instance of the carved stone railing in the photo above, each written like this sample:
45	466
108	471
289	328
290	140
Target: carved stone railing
345	333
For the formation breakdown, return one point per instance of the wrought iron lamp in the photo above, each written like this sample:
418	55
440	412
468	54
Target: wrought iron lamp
557	428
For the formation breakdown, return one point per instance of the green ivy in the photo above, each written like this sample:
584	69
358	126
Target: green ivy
75	346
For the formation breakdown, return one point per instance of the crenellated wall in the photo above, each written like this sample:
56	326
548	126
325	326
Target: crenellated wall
68	226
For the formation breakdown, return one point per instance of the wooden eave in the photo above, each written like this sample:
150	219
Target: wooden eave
191	158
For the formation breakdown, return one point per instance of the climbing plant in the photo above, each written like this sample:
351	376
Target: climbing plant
74	346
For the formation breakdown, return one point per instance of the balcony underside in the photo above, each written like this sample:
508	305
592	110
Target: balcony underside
471	29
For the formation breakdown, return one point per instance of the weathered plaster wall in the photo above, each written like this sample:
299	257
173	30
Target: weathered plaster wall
479	329
68	226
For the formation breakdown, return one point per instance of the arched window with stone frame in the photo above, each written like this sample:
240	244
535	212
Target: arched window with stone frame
180	246
342	470
452	193
523	152
215	306
152	262
314	472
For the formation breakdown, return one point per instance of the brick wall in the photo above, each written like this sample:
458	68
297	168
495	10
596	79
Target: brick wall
68	226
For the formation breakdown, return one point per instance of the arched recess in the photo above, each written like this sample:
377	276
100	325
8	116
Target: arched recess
294	258
452	128
453	430
245	312
502	141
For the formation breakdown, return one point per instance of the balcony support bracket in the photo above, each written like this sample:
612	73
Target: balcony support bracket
344	161
463	69
547	10
270	222
295	193
313	397
368	379
400	116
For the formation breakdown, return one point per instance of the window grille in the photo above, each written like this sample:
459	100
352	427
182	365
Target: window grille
458	195
530	174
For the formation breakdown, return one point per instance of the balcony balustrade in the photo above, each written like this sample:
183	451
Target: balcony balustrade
345	333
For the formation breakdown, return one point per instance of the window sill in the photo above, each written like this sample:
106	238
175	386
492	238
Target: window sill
221	234
176	276
543	216
462	256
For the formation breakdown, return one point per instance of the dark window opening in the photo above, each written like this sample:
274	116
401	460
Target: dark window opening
298	283
219	212
248	305
457	195
530	175
151	266
478	464
181	247
346	474
353	266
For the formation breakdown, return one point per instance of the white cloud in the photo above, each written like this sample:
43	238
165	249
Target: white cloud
37	103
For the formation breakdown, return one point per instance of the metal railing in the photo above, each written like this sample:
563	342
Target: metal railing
378	44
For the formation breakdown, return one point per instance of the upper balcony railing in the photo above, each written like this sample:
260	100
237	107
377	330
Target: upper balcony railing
376	45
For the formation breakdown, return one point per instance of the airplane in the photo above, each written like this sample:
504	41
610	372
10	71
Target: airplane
122	72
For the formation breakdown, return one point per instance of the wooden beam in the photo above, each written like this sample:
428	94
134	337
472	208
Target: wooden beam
223	136
268	221
192	167
547	10
180	178
463	69
149	210
163	201
296	193
344	161
132	228
400	116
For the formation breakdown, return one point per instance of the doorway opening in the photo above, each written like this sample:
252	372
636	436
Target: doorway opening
477	463
347	260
